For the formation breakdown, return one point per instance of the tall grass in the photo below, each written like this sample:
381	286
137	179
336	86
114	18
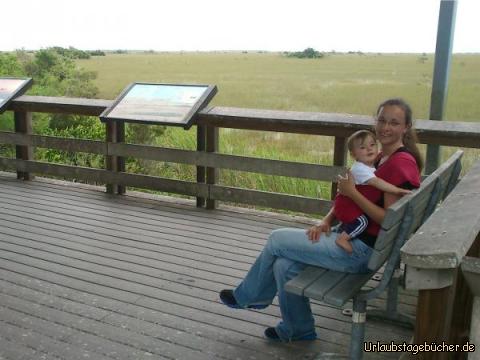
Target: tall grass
336	83
342	83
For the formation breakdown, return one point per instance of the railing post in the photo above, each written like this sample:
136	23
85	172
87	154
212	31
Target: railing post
115	132
201	146
339	158
462	311
212	137
23	125
443	315
121	189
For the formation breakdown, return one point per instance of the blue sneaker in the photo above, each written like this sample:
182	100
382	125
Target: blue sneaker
227	298
271	334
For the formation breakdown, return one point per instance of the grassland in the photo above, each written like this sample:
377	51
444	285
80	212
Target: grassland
343	83
336	83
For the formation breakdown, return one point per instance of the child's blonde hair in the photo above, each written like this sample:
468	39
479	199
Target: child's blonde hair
359	135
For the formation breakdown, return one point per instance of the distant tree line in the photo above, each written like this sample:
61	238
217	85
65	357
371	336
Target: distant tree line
308	53
55	73
73	53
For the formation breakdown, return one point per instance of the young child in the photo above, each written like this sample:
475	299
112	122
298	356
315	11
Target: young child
362	146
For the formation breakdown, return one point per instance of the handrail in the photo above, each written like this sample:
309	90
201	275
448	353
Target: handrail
63	105
448	133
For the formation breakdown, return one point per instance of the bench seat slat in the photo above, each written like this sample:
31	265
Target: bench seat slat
346	289
298	284
319	288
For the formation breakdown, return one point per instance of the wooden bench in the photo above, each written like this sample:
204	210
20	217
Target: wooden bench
401	220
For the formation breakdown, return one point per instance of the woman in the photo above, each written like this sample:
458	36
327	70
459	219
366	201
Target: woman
289	251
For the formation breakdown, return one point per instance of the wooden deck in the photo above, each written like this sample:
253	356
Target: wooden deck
86	275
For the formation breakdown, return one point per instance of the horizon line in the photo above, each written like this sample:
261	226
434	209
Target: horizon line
234	51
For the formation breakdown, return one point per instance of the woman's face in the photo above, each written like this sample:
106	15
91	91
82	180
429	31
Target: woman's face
391	125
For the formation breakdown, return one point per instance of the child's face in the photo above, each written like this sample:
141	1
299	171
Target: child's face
365	151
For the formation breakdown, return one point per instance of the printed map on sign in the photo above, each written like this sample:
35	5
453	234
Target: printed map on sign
157	103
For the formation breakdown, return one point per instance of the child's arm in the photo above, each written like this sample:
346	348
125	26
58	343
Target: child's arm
387	187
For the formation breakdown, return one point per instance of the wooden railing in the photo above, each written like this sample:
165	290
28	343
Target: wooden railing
206	158
433	257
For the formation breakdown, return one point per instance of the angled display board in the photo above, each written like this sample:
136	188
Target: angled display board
10	88
165	104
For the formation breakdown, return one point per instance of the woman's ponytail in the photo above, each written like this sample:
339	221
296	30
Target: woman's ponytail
410	141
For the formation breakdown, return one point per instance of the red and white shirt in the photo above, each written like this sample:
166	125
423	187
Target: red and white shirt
400	169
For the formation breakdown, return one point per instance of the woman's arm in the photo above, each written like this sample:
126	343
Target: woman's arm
346	186
330	217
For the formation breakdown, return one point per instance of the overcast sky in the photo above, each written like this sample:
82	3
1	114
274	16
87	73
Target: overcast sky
273	25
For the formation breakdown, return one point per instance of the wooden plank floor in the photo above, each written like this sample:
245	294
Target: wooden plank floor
86	275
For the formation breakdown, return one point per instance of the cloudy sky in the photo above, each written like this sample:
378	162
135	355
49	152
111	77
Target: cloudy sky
273	25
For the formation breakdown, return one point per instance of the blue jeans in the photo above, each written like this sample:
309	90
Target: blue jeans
287	252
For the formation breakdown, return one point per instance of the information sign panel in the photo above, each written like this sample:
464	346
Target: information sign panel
165	104
10	88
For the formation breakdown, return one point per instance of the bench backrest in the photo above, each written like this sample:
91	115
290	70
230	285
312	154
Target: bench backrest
407	214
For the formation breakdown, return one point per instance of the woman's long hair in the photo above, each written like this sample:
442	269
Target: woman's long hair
410	139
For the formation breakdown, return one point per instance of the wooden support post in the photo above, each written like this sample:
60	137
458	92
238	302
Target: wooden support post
212	137
461	315
474	336
111	162
121	189
339	158
432	318
201	146
23	125
463	307
444	314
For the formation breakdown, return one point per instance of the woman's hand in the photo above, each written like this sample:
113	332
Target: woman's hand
346	185
315	231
